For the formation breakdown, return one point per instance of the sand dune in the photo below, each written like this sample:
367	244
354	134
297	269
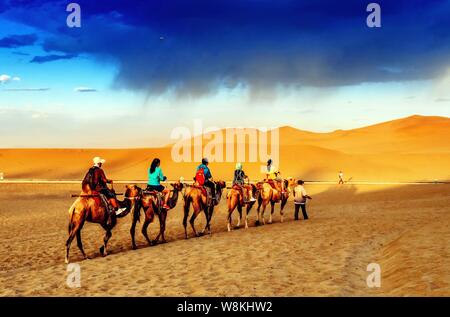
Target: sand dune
403	228
410	149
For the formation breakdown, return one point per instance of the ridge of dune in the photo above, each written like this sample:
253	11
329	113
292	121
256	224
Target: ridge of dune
409	149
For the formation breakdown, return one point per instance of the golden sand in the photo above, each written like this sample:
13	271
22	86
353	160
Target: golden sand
405	229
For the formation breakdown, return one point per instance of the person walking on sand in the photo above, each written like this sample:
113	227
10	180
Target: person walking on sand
155	177
341	178
300	197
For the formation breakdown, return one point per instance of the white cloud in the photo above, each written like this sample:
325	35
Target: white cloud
85	89
39	115
4	78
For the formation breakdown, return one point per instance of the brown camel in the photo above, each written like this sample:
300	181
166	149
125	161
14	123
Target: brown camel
90	207
148	202
235	200
266	195
196	195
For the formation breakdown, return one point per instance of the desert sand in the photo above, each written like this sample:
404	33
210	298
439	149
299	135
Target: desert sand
404	228
416	148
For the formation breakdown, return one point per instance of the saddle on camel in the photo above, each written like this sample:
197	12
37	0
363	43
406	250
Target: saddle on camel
238	184
203	181
95	185
204	195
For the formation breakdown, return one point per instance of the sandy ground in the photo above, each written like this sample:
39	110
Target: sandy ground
405	229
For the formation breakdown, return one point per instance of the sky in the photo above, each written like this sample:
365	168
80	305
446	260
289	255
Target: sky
136	70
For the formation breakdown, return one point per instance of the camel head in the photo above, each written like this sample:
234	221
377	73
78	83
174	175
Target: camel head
220	184
178	186
132	191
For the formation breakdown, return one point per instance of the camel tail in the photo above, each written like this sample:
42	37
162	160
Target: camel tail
71	210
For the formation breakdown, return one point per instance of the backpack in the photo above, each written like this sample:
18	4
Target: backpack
200	176
89	179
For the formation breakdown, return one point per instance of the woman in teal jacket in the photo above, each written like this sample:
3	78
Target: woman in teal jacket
155	177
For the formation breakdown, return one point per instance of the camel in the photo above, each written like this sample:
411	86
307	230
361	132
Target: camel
236	199
90	207
196	195
266	195
148	202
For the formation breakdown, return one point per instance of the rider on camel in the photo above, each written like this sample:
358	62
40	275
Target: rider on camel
272	177
204	177
239	181
97	181
155	177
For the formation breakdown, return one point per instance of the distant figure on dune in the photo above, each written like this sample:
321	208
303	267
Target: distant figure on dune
300	197
341	178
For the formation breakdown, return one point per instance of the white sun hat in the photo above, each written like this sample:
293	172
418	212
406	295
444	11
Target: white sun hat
98	159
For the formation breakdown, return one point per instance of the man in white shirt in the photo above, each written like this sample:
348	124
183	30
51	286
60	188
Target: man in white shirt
341	178
300	197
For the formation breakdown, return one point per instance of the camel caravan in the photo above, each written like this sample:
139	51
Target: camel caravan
98	203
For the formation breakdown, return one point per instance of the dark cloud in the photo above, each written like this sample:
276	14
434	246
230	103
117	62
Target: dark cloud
14	41
260	44
21	53
51	58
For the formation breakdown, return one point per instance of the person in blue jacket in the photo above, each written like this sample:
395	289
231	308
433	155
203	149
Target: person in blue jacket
155	177
208	177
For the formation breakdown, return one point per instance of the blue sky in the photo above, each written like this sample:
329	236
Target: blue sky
137	69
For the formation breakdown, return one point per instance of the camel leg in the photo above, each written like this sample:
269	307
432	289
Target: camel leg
108	234
272	209
264	205
144	230
208	214
192	221
248	209
230	212
239	207
186	214
283	203
80	243
205	210
72	235
258	211
132	232
162	227
246	216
